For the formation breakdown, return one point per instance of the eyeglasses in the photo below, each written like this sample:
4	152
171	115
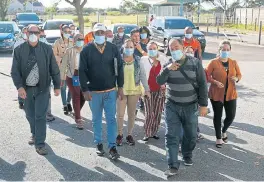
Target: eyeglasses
43	36
34	32
80	39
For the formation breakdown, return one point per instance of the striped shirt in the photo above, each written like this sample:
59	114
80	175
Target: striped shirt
179	89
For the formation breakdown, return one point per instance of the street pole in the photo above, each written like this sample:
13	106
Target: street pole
181	8
32	6
260	31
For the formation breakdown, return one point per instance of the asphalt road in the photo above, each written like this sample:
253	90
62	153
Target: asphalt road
72	153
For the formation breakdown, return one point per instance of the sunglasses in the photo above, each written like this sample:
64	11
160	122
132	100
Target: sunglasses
80	39
34	32
43	36
69	32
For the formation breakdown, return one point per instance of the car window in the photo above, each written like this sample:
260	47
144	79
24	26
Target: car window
55	25
27	17
6	28
127	28
178	24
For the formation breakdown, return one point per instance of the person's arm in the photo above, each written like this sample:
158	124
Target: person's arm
54	70
199	51
143	77
16	70
162	78
209	71
83	69
120	68
238	73
64	64
202	86
56	52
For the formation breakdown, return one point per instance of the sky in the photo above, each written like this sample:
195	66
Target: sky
90	3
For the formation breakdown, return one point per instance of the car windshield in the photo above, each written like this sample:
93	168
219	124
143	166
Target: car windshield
27	17
55	25
178	24
6	28
127	28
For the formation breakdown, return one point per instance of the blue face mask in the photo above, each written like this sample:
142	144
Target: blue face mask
152	53
79	43
177	55
42	39
143	36
129	51
99	39
66	35
224	54
110	39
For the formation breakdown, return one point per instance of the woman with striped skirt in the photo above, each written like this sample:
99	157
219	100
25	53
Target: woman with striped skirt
153	64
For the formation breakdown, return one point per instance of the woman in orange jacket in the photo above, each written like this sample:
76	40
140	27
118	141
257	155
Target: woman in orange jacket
223	74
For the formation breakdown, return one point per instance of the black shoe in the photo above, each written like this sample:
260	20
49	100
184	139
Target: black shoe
145	139
156	137
69	107
188	161
171	171
100	150
113	154
130	140
65	109
21	106
119	140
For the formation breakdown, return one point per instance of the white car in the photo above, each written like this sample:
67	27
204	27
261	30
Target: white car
52	29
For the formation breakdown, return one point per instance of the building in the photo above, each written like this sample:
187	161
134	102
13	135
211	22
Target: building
18	6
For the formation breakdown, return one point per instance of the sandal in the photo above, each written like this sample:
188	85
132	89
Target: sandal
218	145
225	139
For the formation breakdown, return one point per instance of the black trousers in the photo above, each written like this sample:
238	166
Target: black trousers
230	110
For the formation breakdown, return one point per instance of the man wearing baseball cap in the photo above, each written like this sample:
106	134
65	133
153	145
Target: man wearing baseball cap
100	72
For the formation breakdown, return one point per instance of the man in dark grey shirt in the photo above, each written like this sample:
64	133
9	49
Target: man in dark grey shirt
186	98
34	65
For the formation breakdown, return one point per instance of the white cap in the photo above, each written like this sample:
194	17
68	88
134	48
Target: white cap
99	26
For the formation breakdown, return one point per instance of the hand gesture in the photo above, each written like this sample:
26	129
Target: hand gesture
174	66
120	93
87	96
138	46
57	92
22	93
203	111
147	93
234	78
219	84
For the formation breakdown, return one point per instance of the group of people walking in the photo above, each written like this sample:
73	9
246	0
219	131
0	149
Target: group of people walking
115	73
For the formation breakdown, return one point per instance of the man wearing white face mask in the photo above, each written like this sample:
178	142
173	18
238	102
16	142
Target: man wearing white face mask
20	41
109	36
34	65
120	37
186	98
189	40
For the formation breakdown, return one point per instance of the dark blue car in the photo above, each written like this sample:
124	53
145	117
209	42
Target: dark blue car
8	32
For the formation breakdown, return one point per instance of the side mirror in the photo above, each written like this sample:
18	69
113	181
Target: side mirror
160	29
197	28
40	26
16	32
13	19
41	20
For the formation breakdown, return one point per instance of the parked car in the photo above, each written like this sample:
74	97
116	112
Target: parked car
164	28
52	29
25	19
127	27
8	32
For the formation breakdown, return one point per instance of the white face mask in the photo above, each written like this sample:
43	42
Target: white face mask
189	54
33	38
110	39
24	36
121	34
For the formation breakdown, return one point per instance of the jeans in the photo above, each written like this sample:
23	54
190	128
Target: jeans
177	117
104	101
230	110
36	107
65	100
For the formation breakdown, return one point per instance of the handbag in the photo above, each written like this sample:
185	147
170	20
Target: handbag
75	81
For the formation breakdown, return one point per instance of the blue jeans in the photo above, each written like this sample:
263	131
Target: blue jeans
104	101
177	117
36	106
65	100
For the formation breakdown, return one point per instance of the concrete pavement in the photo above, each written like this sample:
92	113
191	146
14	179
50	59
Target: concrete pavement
72	153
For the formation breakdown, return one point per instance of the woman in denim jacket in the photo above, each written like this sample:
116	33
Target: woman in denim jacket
134	76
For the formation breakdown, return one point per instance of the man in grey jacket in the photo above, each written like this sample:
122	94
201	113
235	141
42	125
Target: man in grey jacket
186	98
33	67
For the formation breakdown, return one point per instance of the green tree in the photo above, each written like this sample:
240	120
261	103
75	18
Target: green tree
3	8
254	3
133	5
79	4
